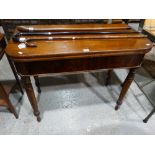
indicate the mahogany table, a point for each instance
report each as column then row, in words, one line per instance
column 90, row 52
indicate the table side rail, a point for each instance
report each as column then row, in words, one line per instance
column 78, row 64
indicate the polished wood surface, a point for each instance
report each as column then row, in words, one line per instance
column 87, row 53
column 73, row 49
column 73, row 27
column 152, row 32
column 76, row 48
column 149, row 24
column 149, row 28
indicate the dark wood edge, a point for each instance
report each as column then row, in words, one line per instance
column 77, row 72
column 77, row 55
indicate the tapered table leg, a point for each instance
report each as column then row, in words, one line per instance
column 147, row 118
column 125, row 87
column 37, row 83
column 31, row 96
column 108, row 77
column 15, row 74
column 6, row 98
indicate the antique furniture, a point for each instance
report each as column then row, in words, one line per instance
column 86, row 47
column 149, row 30
column 4, row 101
column 10, row 24
column 2, row 51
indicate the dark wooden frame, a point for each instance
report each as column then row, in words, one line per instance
column 5, row 101
column 152, row 38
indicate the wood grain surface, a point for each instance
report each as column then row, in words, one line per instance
column 60, row 49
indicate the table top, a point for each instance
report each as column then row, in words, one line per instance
column 131, row 43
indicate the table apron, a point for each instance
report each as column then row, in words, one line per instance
column 78, row 64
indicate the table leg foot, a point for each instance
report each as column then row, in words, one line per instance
column 117, row 106
column 145, row 120
column 12, row 110
column 37, row 114
column 125, row 87
column 38, row 119
column 16, row 115
column 31, row 96
column 148, row 117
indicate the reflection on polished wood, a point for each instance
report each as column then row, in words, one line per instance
column 61, row 56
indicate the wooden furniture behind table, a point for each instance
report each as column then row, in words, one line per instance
column 149, row 29
column 2, row 52
column 59, row 56
column 4, row 93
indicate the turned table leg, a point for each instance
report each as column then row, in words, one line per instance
column 108, row 77
column 31, row 96
column 147, row 118
column 125, row 87
column 37, row 83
